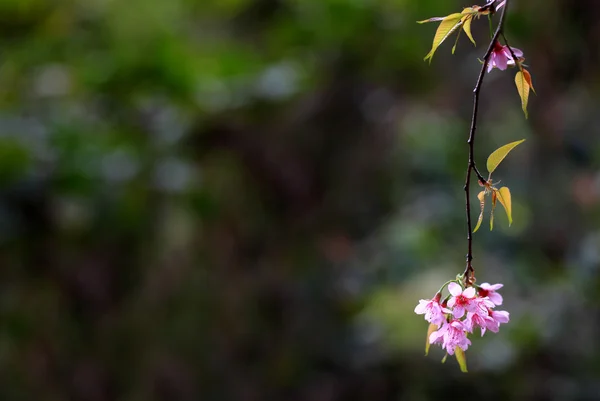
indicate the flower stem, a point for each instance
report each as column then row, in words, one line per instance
column 445, row 284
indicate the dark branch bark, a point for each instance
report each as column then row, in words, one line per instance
column 469, row 271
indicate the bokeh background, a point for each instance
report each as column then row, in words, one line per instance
column 245, row 199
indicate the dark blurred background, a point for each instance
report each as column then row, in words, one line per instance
column 245, row 200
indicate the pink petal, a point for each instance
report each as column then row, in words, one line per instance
column 499, row 6
column 500, row 61
column 421, row 308
column 458, row 312
column 517, row 52
column 488, row 302
column 501, row 316
column 454, row 289
column 451, row 302
column 457, row 325
column 469, row 292
column 436, row 335
column 495, row 298
column 491, row 63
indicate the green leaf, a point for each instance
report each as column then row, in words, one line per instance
column 504, row 198
column 447, row 26
column 461, row 358
column 523, row 89
column 499, row 154
column 431, row 329
column 467, row 26
column 444, row 358
column 481, row 197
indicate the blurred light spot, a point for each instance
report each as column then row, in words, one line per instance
column 214, row 96
column 173, row 175
column 53, row 80
column 169, row 126
column 278, row 82
column 72, row 213
column 118, row 166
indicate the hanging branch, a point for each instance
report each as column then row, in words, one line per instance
column 469, row 271
column 449, row 324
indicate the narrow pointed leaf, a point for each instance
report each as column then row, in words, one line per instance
column 461, row 358
column 492, row 213
column 505, row 201
column 432, row 19
column 468, row 10
column 467, row 27
column 456, row 42
column 447, row 26
column 523, row 89
column 499, row 154
column 481, row 197
column 444, row 358
column 432, row 327
column 527, row 76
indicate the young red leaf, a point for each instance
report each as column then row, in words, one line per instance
column 527, row 76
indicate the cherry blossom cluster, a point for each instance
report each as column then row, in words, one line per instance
column 461, row 312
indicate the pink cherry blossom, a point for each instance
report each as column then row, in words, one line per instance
column 433, row 311
column 501, row 57
column 488, row 290
column 497, row 317
column 473, row 319
column 461, row 300
column 481, row 306
column 451, row 335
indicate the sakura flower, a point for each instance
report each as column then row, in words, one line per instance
column 501, row 57
column 473, row 319
column 451, row 335
column 488, row 290
column 481, row 306
column 497, row 317
column 461, row 300
column 433, row 311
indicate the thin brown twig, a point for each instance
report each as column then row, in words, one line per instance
column 469, row 273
